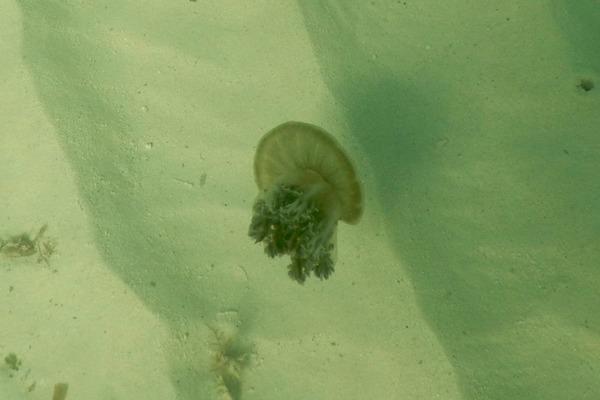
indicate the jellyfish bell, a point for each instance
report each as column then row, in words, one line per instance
column 297, row 153
column 307, row 183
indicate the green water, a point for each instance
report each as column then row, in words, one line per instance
column 475, row 128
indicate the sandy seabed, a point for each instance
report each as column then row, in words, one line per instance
column 128, row 130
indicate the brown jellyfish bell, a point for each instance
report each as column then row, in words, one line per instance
column 307, row 184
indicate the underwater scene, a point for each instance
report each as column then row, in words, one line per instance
column 302, row 200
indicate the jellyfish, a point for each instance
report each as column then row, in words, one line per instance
column 307, row 183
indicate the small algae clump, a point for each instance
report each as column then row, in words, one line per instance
column 12, row 361
column 24, row 246
column 229, row 357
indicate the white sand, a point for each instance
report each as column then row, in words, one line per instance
column 112, row 112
